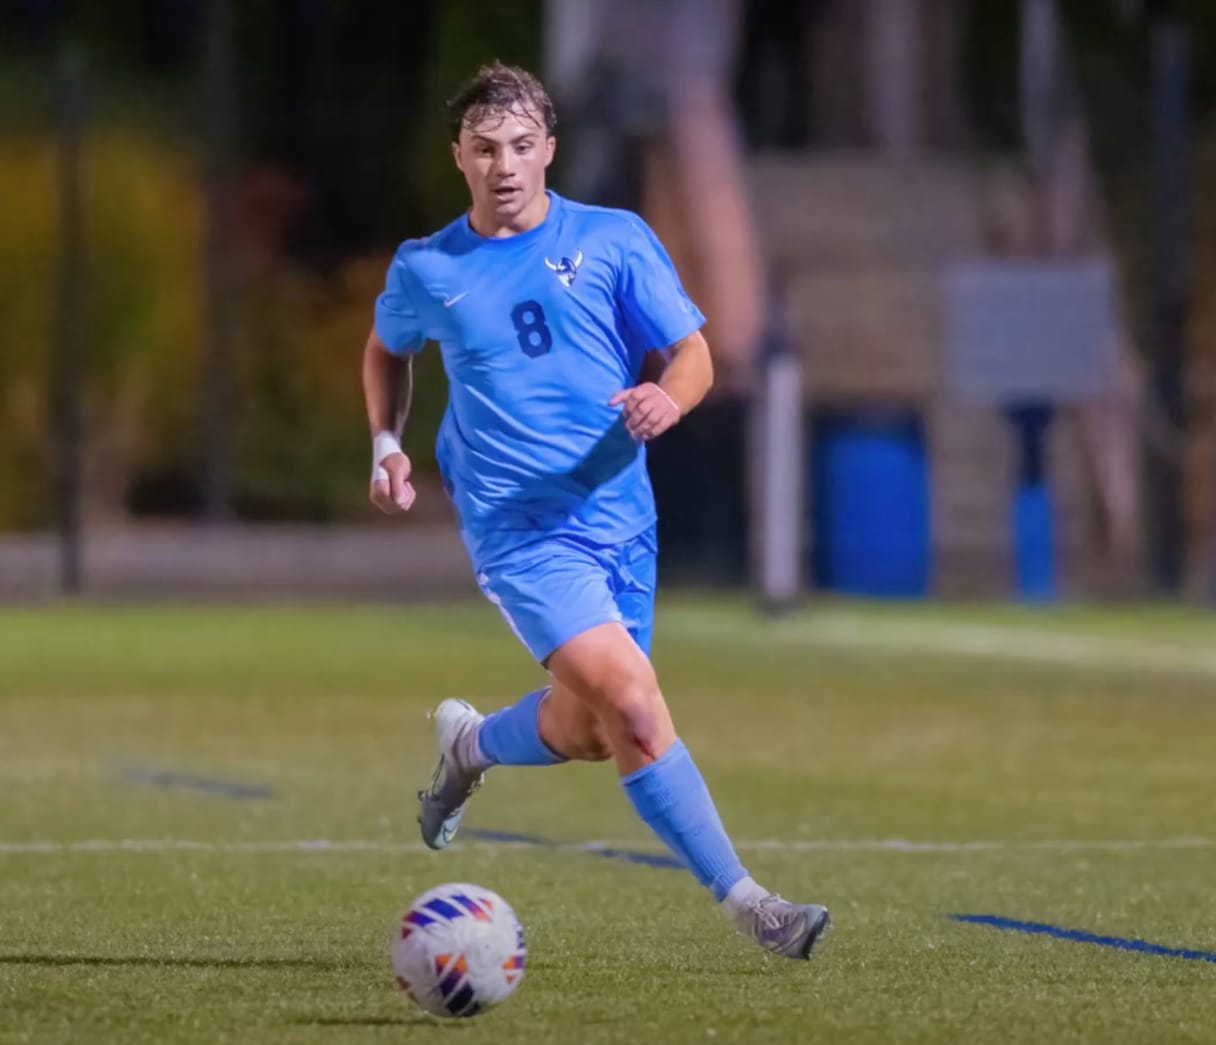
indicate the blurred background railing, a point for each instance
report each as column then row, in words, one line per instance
column 971, row 234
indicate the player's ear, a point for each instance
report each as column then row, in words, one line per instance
column 550, row 148
column 456, row 156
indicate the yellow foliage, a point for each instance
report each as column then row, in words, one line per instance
column 302, row 442
column 299, row 437
column 142, row 287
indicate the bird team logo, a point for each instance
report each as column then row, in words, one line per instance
column 566, row 270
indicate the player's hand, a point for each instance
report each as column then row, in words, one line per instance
column 647, row 409
column 391, row 489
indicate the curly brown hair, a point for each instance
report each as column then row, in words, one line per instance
column 498, row 89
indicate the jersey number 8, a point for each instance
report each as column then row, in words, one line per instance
column 535, row 338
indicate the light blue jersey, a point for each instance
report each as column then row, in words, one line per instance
column 538, row 331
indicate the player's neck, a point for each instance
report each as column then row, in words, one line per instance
column 492, row 227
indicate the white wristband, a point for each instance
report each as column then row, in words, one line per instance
column 670, row 400
column 384, row 445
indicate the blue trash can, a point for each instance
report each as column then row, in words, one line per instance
column 1033, row 511
column 870, row 504
column 1034, row 543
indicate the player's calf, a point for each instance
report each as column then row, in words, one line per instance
column 544, row 728
column 570, row 727
column 662, row 781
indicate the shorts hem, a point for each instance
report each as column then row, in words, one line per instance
column 574, row 631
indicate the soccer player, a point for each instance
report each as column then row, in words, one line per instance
column 546, row 311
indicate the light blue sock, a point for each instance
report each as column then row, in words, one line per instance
column 511, row 737
column 671, row 796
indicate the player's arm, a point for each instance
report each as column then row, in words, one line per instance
column 689, row 373
column 391, row 490
column 652, row 407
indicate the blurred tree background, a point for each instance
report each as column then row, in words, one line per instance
column 340, row 152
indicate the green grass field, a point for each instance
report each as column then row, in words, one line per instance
column 1056, row 767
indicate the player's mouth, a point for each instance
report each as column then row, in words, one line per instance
column 506, row 193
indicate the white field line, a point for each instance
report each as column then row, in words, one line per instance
column 1109, row 653
column 380, row 846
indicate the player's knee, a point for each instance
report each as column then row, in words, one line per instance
column 633, row 712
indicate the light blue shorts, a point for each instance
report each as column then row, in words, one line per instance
column 559, row 587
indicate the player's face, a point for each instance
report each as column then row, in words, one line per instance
column 503, row 159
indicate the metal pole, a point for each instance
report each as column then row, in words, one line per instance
column 1170, row 288
column 776, row 464
column 219, row 282
column 67, row 360
column 895, row 74
column 1046, row 107
column 569, row 44
column 1040, row 81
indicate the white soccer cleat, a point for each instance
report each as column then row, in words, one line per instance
column 441, row 806
column 788, row 929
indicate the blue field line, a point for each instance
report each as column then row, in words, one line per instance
column 629, row 856
column 189, row 782
column 1119, row 943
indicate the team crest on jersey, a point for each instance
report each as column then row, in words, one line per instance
column 566, row 270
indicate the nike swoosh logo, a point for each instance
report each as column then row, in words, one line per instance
column 449, row 302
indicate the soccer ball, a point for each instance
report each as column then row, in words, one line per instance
column 459, row 951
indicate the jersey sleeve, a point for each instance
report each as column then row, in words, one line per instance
column 651, row 295
column 397, row 322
